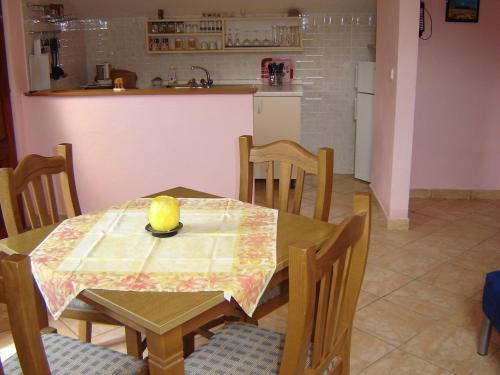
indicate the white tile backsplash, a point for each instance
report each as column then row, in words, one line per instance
column 333, row 43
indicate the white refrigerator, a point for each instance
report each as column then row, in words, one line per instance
column 363, row 116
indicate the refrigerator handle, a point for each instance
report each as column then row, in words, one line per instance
column 356, row 109
column 356, row 73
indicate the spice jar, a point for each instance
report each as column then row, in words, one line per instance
column 178, row 44
column 192, row 43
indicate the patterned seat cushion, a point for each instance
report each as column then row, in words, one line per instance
column 68, row 356
column 78, row 304
column 240, row 349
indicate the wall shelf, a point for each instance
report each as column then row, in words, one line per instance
column 159, row 35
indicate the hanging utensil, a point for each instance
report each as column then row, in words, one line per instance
column 58, row 68
column 54, row 72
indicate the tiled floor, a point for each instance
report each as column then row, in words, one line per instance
column 420, row 305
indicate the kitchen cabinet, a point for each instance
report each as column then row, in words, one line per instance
column 275, row 118
column 224, row 35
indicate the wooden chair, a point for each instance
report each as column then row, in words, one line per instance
column 324, row 291
column 32, row 181
column 288, row 154
column 49, row 352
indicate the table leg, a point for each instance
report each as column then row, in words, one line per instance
column 188, row 344
column 166, row 352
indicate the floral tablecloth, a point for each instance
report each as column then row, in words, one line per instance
column 225, row 245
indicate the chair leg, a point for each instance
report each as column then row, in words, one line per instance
column 84, row 331
column 133, row 340
column 484, row 340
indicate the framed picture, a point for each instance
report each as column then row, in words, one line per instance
column 462, row 10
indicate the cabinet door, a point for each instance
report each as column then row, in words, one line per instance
column 275, row 119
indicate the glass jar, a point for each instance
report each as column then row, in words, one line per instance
column 179, row 27
column 276, row 35
column 171, row 27
column 191, row 43
column 179, row 44
column 164, row 44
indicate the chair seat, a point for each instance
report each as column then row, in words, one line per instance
column 240, row 349
column 491, row 298
column 72, row 357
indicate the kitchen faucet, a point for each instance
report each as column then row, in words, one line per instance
column 205, row 83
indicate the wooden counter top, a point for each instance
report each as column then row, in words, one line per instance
column 217, row 90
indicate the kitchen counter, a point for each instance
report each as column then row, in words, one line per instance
column 128, row 145
column 218, row 90
column 285, row 90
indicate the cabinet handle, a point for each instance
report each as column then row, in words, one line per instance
column 259, row 106
column 356, row 109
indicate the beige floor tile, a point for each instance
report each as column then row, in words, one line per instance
column 401, row 363
column 491, row 366
column 365, row 299
column 396, row 237
column 277, row 321
column 7, row 347
column 390, row 322
column 455, row 278
column 99, row 329
column 492, row 243
column 64, row 327
column 454, row 241
column 433, row 250
column 428, row 300
column 448, row 346
column 365, row 350
column 380, row 249
column 434, row 210
column 472, row 317
column 480, row 258
column 411, row 263
column 110, row 338
column 380, row 281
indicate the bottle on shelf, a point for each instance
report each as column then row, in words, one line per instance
column 229, row 41
column 172, row 75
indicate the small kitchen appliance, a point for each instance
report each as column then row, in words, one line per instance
column 103, row 72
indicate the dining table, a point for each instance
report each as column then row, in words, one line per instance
column 168, row 319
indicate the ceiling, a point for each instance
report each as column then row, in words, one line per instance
column 147, row 8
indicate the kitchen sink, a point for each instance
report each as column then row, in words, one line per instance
column 186, row 87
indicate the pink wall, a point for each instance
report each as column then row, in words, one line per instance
column 397, row 48
column 130, row 146
column 457, row 121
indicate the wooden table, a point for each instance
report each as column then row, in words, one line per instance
column 166, row 318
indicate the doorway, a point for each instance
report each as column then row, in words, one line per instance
column 7, row 142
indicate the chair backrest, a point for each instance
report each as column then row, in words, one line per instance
column 288, row 154
column 324, row 290
column 27, row 312
column 32, row 181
